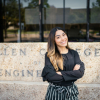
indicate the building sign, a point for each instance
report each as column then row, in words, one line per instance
column 25, row 61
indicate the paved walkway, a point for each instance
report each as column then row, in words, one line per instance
column 33, row 38
column 25, row 38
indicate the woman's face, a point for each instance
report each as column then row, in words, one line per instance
column 61, row 38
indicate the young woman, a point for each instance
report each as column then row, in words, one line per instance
column 62, row 67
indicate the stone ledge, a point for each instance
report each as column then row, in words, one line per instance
column 45, row 83
column 18, row 90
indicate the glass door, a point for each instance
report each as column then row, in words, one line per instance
column 10, row 20
column 30, row 20
column 53, row 15
column 94, row 30
column 75, row 19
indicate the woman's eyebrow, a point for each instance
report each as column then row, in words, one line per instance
column 57, row 35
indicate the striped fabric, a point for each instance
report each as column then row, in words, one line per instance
column 55, row 92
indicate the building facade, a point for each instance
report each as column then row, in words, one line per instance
column 32, row 20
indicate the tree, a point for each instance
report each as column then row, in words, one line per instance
column 11, row 10
column 35, row 3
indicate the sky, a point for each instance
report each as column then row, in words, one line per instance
column 73, row 4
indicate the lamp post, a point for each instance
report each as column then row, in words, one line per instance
column 88, row 13
column 19, row 31
column 41, row 20
column 1, row 23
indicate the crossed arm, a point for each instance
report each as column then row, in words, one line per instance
column 76, row 67
column 52, row 76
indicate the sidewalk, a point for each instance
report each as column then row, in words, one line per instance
column 25, row 38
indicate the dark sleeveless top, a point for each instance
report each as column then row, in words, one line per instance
column 68, row 74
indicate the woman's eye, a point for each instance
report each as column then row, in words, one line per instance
column 63, row 34
column 57, row 37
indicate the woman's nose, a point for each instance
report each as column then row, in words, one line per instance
column 62, row 38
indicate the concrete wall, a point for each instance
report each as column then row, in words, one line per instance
column 21, row 65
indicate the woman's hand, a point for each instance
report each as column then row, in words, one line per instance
column 59, row 73
column 76, row 67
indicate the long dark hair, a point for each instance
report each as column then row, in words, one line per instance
column 53, row 52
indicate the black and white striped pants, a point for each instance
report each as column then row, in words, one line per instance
column 55, row 92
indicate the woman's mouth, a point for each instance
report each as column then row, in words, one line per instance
column 63, row 42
